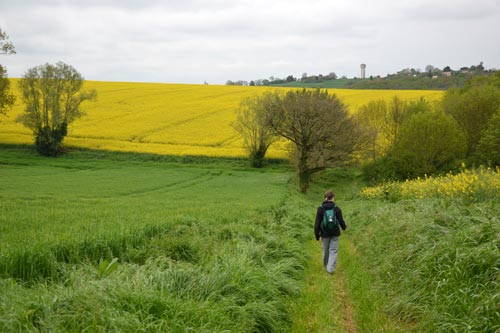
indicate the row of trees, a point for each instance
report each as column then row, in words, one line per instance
column 431, row 78
column 277, row 81
column 431, row 71
column 318, row 78
column 262, row 82
column 418, row 138
column 393, row 140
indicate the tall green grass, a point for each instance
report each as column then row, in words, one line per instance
column 147, row 246
column 237, row 277
column 438, row 261
column 72, row 209
column 416, row 265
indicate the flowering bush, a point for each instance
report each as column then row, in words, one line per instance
column 477, row 184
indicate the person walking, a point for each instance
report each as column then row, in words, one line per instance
column 329, row 220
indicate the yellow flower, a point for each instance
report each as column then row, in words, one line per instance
column 172, row 119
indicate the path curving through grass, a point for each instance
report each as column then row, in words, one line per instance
column 345, row 302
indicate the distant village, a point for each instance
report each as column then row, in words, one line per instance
column 429, row 72
column 435, row 72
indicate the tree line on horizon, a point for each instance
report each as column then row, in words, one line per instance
column 432, row 78
column 393, row 140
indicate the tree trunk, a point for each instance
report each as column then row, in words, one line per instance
column 304, row 174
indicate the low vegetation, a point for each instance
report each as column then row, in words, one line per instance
column 179, row 247
column 434, row 250
column 176, row 247
column 471, row 185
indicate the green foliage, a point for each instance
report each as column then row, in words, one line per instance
column 336, row 83
column 251, row 124
column 161, row 251
column 408, row 139
column 48, row 141
column 437, row 261
column 379, row 170
column 472, row 107
column 322, row 132
column 106, row 267
column 396, row 116
column 429, row 142
column 7, row 100
column 52, row 97
column 488, row 150
column 6, row 47
column 381, row 124
column 371, row 118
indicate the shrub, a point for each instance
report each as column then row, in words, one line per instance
column 429, row 142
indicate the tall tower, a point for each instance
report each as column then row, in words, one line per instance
column 363, row 66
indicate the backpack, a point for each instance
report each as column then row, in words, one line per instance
column 330, row 222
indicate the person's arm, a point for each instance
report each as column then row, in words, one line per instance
column 317, row 224
column 338, row 213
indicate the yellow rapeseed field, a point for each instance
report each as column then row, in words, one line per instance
column 172, row 119
column 477, row 183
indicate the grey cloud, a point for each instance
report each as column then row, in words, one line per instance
column 216, row 40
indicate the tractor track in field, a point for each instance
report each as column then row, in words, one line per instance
column 171, row 186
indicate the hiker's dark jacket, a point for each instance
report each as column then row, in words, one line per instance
column 319, row 219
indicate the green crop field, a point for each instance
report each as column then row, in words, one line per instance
column 128, row 243
column 50, row 199
column 125, row 242
column 122, row 242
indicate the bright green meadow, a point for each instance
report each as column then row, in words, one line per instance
column 125, row 243
column 122, row 242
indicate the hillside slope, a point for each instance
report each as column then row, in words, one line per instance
column 171, row 119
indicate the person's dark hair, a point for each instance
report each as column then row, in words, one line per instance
column 329, row 195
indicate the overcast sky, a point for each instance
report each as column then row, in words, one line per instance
column 192, row 41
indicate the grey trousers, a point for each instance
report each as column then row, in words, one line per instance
column 330, row 251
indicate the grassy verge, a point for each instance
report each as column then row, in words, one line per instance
column 436, row 260
column 236, row 277
column 424, row 264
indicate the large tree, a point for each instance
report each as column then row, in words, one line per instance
column 6, row 99
column 472, row 106
column 52, row 95
column 429, row 142
column 371, row 118
column 318, row 125
column 251, row 125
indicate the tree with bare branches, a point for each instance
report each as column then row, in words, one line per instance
column 322, row 132
column 251, row 124
column 6, row 98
